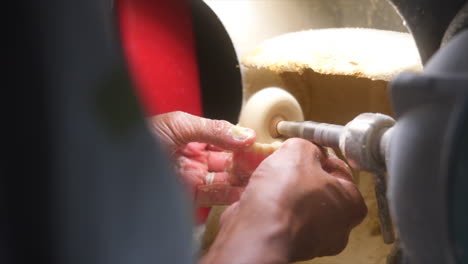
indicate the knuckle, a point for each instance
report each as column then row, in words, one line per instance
column 294, row 142
column 176, row 119
column 358, row 208
column 338, row 166
column 218, row 127
column 338, row 245
column 341, row 245
column 300, row 145
column 177, row 114
column 361, row 210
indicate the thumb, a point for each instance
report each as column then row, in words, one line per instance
column 178, row 128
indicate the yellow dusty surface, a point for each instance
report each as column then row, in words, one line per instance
column 369, row 53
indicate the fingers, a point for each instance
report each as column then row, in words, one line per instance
column 213, row 148
column 215, row 189
column 325, row 157
column 197, row 156
column 179, row 128
column 357, row 206
column 219, row 161
column 210, row 188
column 295, row 149
column 337, row 167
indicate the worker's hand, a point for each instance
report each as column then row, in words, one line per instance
column 300, row 203
column 198, row 147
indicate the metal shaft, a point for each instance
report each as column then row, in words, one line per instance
column 364, row 142
column 321, row 133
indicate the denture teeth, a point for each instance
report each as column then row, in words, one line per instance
column 245, row 162
column 265, row 148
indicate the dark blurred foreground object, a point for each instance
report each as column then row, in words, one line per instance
column 84, row 181
column 428, row 161
column 428, row 182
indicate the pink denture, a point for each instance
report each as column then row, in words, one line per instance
column 245, row 162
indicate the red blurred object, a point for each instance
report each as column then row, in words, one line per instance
column 159, row 45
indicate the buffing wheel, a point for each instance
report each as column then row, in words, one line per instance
column 265, row 109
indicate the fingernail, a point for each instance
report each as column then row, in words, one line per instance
column 241, row 133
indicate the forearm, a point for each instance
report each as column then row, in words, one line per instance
column 245, row 243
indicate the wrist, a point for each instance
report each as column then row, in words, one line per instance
column 251, row 239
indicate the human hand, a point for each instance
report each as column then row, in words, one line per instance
column 300, row 203
column 199, row 146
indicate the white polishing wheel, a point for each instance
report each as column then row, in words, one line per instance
column 265, row 109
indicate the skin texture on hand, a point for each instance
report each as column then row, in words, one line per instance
column 300, row 203
column 202, row 152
